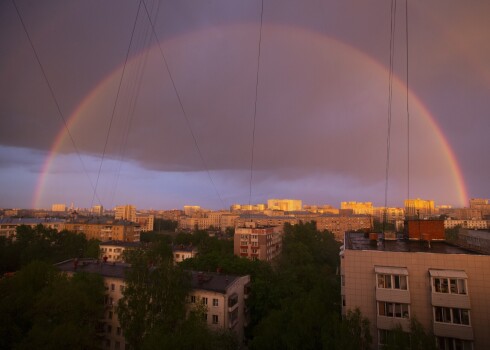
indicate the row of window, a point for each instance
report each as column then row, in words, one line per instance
column 450, row 285
column 440, row 285
column 214, row 320
column 452, row 315
column 204, row 300
column 441, row 314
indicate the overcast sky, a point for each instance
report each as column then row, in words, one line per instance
column 321, row 114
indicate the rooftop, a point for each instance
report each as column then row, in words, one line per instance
column 29, row 221
column 215, row 282
column 357, row 241
column 121, row 244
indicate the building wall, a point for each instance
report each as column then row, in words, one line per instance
column 126, row 212
column 338, row 225
column 426, row 229
column 257, row 243
column 359, row 289
column 285, row 204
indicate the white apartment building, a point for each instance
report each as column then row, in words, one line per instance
column 224, row 296
column 113, row 251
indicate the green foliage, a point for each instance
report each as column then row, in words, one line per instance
column 42, row 308
column 160, row 225
column 153, row 304
column 44, row 244
column 416, row 339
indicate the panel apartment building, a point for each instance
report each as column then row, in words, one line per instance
column 443, row 286
column 257, row 242
column 224, row 296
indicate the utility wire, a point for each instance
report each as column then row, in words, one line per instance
column 408, row 110
column 115, row 101
column 255, row 103
column 182, row 105
column 390, row 102
column 51, row 90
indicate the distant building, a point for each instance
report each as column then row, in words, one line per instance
column 98, row 210
column 58, row 207
column 247, row 207
column 421, row 208
column 364, row 208
column 257, row 242
column 190, row 210
column 223, row 295
column 112, row 251
column 8, row 226
column 339, row 224
column 183, row 252
column 442, row 286
column 125, row 212
column 390, row 213
column 285, row 204
column 146, row 221
column 105, row 229
column 469, row 224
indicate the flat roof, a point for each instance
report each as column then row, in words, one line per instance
column 357, row 241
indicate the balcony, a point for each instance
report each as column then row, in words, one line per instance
column 232, row 302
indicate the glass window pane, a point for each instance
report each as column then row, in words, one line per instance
column 403, row 282
column 381, row 281
column 465, row 317
column 387, row 281
column 453, row 286
column 461, row 286
column 382, row 310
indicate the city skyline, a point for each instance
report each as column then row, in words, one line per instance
column 321, row 109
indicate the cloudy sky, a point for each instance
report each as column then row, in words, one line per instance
column 321, row 113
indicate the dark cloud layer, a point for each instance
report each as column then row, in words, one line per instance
column 322, row 95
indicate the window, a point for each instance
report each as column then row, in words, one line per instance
column 396, row 310
column 118, row 330
column 110, row 315
column 215, row 302
column 204, row 301
column 193, row 298
column 444, row 343
column 109, row 328
column 452, row 315
column 449, row 285
column 392, row 281
column 215, row 319
column 244, row 250
column 113, row 287
column 205, row 316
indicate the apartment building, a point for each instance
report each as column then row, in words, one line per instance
column 339, row 224
column 113, row 251
column 224, row 296
column 285, row 204
column 106, row 230
column 8, row 226
column 145, row 221
column 257, row 242
column 364, row 208
column 469, row 224
column 125, row 212
column 443, row 286
column 182, row 252
column 422, row 208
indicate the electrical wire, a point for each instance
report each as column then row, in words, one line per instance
column 182, row 106
column 255, row 103
column 58, row 108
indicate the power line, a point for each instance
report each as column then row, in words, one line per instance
column 115, row 102
column 182, row 106
column 390, row 102
column 408, row 110
column 255, row 104
column 51, row 90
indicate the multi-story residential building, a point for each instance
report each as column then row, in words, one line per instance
column 106, row 230
column 8, row 226
column 470, row 224
column 421, row 208
column 146, row 221
column 285, row 204
column 266, row 220
column 113, row 251
column 182, row 252
column 98, row 210
column 321, row 209
column 364, row 208
column 223, row 295
column 125, row 212
column 476, row 240
column 228, row 221
column 442, row 286
column 257, row 242
column 247, row 207
column 391, row 214
column 190, row 210
column 58, row 207
column 339, row 224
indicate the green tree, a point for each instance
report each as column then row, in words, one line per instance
column 154, row 298
column 42, row 308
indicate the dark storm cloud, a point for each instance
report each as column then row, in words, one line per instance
column 321, row 108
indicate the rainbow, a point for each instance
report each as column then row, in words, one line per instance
column 98, row 90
